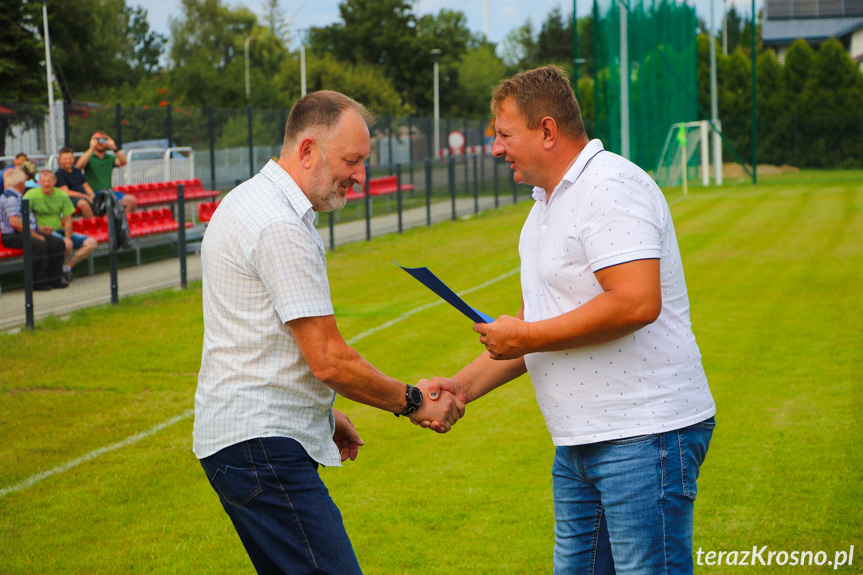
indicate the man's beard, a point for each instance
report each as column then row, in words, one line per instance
column 326, row 190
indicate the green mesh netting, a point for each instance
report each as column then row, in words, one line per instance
column 663, row 84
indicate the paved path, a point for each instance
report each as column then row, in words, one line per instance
column 88, row 291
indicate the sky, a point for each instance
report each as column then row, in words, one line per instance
column 504, row 15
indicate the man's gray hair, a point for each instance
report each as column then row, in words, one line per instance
column 321, row 109
column 14, row 177
column 42, row 173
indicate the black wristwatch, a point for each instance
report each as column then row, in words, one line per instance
column 414, row 398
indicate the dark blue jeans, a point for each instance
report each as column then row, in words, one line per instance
column 281, row 509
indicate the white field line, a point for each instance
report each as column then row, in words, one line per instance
column 33, row 479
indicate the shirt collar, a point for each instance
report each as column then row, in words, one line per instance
column 592, row 148
column 295, row 196
column 16, row 192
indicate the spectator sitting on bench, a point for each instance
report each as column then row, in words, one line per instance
column 71, row 180
column 47, row 250
column 16, row 163
column 53, row 209
column 98, row 166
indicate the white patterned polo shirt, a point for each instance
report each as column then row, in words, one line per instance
column 607, row 211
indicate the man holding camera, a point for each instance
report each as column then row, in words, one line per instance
column 98, row 165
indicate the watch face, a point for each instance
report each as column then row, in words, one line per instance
column 416, row 396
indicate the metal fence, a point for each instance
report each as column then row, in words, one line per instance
column 224, row 145
column 431, row 191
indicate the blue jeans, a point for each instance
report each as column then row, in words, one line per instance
column 625, row 507
column 281, row 509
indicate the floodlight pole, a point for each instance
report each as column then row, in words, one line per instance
column 436, row 54
column 624, row 81
column 248, row 78
column 303, row 64
column 50, row 73
column 754, row 102
column 714, row 106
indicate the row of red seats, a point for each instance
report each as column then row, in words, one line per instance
column 9, row 252
column 166, row 192
column 379, row 187
column 151, row 222
column 141, row 223
column 205, row 211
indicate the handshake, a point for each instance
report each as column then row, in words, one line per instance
column 443, row 404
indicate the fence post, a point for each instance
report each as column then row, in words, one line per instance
column 451, row 181
column 475, row 186
column 494, row 164
column 428, row 166
column 170, row 124
column 118, row 125
column 67, row 135
column 212, row 133
column 367, row 199
column 251, row 144
column 411, row 148
column 429, row 143
column 28, row 264
column 514, row 190
column 181, row 235
column 113, row 243
column 399, row 194
column 332, row 233
column 390, row 142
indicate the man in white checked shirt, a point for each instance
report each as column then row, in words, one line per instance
column 273, row 358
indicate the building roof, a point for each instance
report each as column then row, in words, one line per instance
column 811, row 30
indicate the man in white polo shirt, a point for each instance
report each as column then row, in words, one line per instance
column 273, row 358
column 605, row 334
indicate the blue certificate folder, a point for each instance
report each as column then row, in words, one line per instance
column 431, row 281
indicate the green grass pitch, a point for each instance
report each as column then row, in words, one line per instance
column 774, row 275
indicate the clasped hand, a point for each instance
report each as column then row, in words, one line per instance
column 442, row 406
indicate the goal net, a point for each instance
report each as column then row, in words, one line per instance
column 685, row 156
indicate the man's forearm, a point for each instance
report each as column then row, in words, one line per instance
column 84, row 159
column 121, row 159
column 485, row 374
column 342, row 368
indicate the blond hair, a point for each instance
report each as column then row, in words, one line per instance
column 543, row 92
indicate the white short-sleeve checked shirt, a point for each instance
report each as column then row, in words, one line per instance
column 264, row 264
column 607, row 211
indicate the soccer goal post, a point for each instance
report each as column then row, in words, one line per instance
column 686, row 155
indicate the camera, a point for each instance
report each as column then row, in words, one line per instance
column 102, row 140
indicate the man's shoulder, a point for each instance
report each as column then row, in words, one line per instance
column 33, row 193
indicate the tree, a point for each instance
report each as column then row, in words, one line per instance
column 833, row 101
column 772, row 109
column 275, row 19
column 208, row 56
column 798, row 63
column 519, row 48
column 100, row 45
column 554, row 41
column 733, row 28
column 387, row 34
column 22, row 53
column 365, row 83
column 480, row 70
